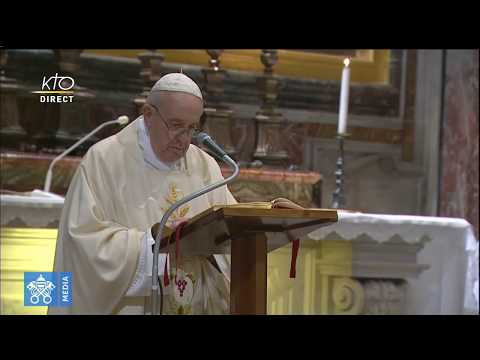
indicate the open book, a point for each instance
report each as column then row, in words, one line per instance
column 278, row 203
column 251, row 205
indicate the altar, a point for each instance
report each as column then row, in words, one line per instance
column 363, row 265
column 377, row 264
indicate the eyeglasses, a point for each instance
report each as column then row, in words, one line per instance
column 176, row 131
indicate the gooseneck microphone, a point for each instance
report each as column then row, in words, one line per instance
column 121, row 120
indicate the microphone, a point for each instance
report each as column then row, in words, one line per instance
column 121, row 120
column 205, row 139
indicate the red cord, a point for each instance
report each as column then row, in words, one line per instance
column 178, row 232
column 293, row 263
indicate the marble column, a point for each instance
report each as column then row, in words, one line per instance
column 459, row 153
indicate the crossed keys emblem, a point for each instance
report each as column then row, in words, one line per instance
column 40, row 287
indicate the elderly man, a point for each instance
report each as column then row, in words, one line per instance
column 118, row 195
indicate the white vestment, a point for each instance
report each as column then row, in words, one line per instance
column 113, row 200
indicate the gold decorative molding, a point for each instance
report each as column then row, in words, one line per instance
column 348, row 296
column 368, row 66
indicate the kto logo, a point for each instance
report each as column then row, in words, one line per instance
column 48, row 289
column 61, row 85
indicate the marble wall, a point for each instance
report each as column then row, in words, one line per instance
column 459, row 149
column 393, row 156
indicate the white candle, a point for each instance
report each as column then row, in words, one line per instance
column 342, row 117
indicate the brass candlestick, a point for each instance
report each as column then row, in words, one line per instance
column 10, row 128
column 338, row 198
column 152, row 70
column 218, row 116
column 75, row 117
column 269, row 147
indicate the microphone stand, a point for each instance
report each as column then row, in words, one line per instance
column 122, row 120
column 155, row 278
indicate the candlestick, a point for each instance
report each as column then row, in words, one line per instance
column 338, row 198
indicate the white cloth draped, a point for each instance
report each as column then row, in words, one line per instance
column 450, row 285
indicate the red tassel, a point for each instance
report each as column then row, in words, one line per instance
column 293, row 263
column 166, row 278
column 178, row 232
column 295, row 246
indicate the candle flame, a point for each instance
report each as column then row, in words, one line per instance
column 346, row 62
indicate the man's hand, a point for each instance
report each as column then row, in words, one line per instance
column 177, row 222
column 155, row 229
column 173, row 226
column 283, row 203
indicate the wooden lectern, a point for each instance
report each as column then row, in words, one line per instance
column 248, row 234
